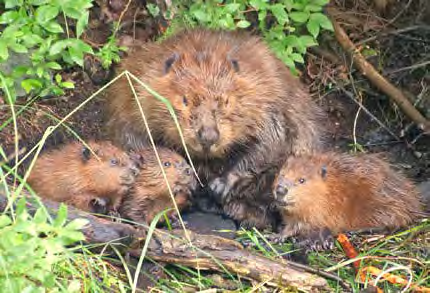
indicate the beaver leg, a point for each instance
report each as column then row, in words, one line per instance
column 316, row 240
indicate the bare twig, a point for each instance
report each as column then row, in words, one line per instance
column 377, row 79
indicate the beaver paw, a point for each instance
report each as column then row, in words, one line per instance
column 99, row 205
column 318, row 240
column 220, row 188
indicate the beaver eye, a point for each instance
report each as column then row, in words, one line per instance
column 188, row 171
column 302, row 180
column 184, row 100
column 113, row 162
column 167, row 164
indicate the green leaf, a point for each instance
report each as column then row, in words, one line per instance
column 12, row 3
column 307, row 41
column 4, row 54
column 53, row 27
column 243, row 24
column 313, row 7
column 201, row 15
column 29, row 84
column 297, row 58
column 82, row 23
column 73, row 12
column 46, row 13
column 37, row 2
column 5, row 221
column 30, row 40
column 232, row 7
column 322, row 20
column 59, row 46
column 9, row 17
column 153, row 9
column 68, row 85
column 313, row 27
column 40, row 71
column 300, row 17
column 53, row 65
column 40, row 216
column 18, row 48
column 320, row 2
column 58, row 78
column 259, row 4
column 291, row 41
column 77, row 224
column 280, row 13
column 62, row 210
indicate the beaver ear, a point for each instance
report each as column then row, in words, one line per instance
column 169, row 62
column 234, row 63
column 86, row 154
column 324, row 172
column 136, row 157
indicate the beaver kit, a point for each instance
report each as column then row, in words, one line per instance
column 150, row 194
column 342, row 192
column 240, row 109
column 93, row 179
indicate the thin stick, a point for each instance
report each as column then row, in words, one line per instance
column 376, row 78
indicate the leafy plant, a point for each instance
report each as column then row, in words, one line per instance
column 31, row 248
column 289, row 26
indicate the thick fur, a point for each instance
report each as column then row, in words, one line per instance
column 245, row 100
column 74, row 175
column 150, row 194
column 344, row 192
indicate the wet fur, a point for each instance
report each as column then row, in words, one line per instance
column 150, row 195
column 344, row 192
column 231, row 82
column 73, row 175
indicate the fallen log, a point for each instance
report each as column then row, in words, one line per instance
column 207, row 252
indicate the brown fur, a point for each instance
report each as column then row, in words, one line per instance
column 73, row 175
column 356, row 192
column 150, row 195
column 225, row 83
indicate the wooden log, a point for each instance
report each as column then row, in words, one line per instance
column 208, row 252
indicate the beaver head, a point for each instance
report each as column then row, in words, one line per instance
column 220, row 88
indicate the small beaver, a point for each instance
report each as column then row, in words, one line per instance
column 150, row 195
column 341, row 192
column 239, row 108
column 73, row 175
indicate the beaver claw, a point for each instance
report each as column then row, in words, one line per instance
column 319, row 240
column 220, row 188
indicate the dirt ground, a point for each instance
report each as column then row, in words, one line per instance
column 398, row 36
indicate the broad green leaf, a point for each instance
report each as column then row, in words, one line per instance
column 300, row 17
column 307, row 41
column 313, row 8
column 12, row 3
column 53, row 65
column 46, row 13
column 297, row 58
column 320, row 2
column 201, row 15
column 58, row 78
column 68, row 85
column 280, row 14
column 259, row 4
column 243, row 24
column 153, row 9
column 53, row 27
column 77, row 224
column 313, row 27
column 40, row 215
column 291, row 41
column 82, row 23
column 5, row 221
column 73, row 12
column 29, row 84
column 37, row 2
column 59, row 46
column 8, row 17
column 322, row 20
column 232, row 7
column 30, row 40
column 18, row 48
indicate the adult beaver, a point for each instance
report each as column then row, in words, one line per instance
column 238, row 106
column 340, row 192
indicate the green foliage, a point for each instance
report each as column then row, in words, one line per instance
column 289, row 27
column 32, row 249
column 38, row 35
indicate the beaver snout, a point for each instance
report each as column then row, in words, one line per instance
column 281, row 190
column 134, row 170
column 208, row 136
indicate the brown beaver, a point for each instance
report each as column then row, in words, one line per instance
column 150, row 195
column 340, row 192
column 238, row 106
column 73, row 175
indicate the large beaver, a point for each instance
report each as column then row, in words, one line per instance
column 150, row 195
column 73, row 175
column 341, row 192
column 238, row 105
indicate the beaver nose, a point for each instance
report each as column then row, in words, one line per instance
column 281, row 190
column 134, row 170
column 208, row 136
